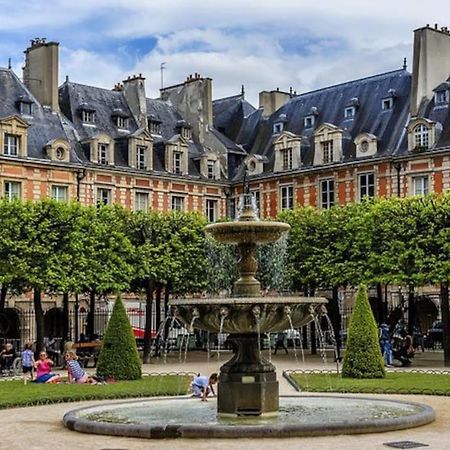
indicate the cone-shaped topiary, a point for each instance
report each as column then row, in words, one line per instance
column 363, row 355
column 119, row 357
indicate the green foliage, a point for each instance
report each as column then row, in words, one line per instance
column 363, row 355
column 119, row 357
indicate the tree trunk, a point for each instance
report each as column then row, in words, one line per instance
column 90, row 317
column 39, row 318
column 166, row 310
column 445, row 312
column 65, row 327
column 411, row 310
column 3, row 292
column 380, row 307
column 158, row 307
column 148, row 322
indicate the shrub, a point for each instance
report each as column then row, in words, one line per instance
column 119, row 357
column 363, row 355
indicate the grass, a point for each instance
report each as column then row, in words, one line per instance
column 15, row 393
column 395, row 383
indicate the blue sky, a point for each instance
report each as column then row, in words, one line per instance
column 261, row 44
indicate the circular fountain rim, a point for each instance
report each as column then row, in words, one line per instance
column 257, row 224
column 73, row 422
column 272, row 300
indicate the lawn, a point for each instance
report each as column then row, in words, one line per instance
column 15, row 393
column 395, row 382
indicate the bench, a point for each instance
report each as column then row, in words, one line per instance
column 87, row 352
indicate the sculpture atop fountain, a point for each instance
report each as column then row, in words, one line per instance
column 247, row 383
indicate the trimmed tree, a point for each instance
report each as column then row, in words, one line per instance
column 363, row 356
column 119, row 357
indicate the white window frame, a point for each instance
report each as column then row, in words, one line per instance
column 365, row 186
column 177, row 162
column 286, row 158
column 154, row 127
column 60, row 193
column 141, row 151
column 26, row 109
column 349, row 112
column 101, row 197
column 103, row 153
column 12, row 189
column 420, row 184
column 177, row 203
column 329, row 194
column 308, row 121
column 286, row 197
column 211, row 169
column 327, row 151
column 387, row 104
column 211, row 209
column 141, row 201
column 122, row 122
column 421, row 136
column 88, row 116
column 11, row 146
column 441, row 97
column 278, row 127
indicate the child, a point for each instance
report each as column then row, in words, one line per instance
column 75, row 372
column 202, row 386
column 27, row 363
column 43, row 370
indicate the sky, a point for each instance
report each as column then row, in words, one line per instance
column 261, row 44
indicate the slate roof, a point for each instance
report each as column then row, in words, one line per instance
column 329, row 104
column 44, row 125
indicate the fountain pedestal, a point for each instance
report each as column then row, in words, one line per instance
column 247, row 383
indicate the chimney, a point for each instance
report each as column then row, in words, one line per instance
column 133, row 89
column 193, row 99
column 271, row 101
column 431, row 63
column 40, row 72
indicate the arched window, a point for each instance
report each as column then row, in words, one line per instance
column 421, row 136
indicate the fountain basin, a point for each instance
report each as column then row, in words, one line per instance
column 298, row 416
column 247, row 232
column 238, row 315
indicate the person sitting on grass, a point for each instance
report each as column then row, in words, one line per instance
column 75, row 372
column 202, row 386
column 43, row 368
column 27, row 363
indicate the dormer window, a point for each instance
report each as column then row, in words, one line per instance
column 122, row 122
column 176, row 162
column 421, row 136
column 387, row 104
column 11, row 146
column 211, row 169
column 25, row 104
column 140, row 157
column 349, row 112
column 88, row 116
column 308, row 121
column 278, row 127
column 184, row 129
column 286, row 158
column 120, row 118
column 154, row 125
column 327, row 151
column 441, row 97
column 102, row 155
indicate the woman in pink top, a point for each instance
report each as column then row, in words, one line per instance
column 43, row 368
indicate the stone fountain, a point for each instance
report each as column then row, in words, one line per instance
column 247, row 383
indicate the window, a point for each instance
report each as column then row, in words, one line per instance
column 154, row 126
column 211, row 210
column 26, row 109
column 364, row 146
column 11, row 145
column 12, row 190
column 420, row 185
column 103, row 153
column 141, row 201
column 366, row 185
column 349, row 113
column 177, row 203
column 140, row 157
column 60, row 193
column 103, row 196
column 387, row 104
column 327, row 152
column 287, row 197
column 421, row 136
column 327, row 193
column 277, row 127
column 122, row 122
column 177, row 162
column 286, row 158
column 441, row 97
column 60, row 153
column 308, row 121
column 88, row 116
column 211, row 169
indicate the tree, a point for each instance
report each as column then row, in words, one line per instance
column 363, row 355
column 119, row 358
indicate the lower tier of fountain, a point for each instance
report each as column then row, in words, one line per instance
column 183, row 417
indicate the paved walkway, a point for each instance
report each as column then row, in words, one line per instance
column 41, row 427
